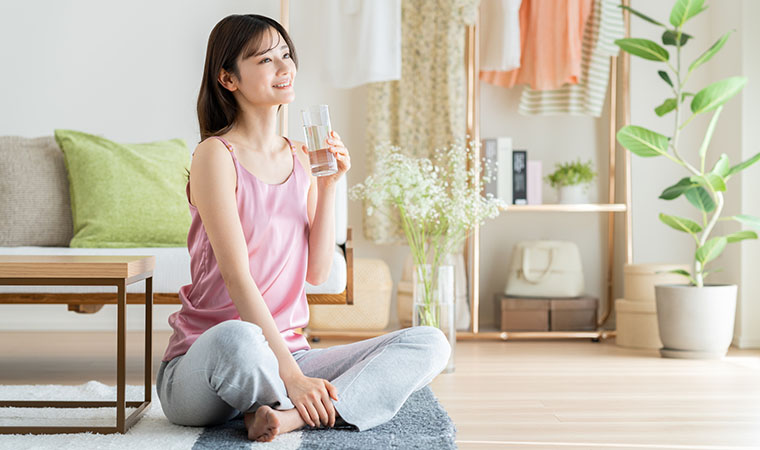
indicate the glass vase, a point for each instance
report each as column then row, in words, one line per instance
column 433, row 302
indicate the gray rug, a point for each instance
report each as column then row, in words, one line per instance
column 421, row 423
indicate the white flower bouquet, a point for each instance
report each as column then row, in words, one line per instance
column 438, row 202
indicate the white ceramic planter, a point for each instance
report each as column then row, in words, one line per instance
column 695, row 323
column 570, row 195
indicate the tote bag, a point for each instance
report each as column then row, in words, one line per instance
column 545, row 269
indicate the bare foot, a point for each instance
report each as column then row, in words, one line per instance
column 266, row 423
column 263, row 425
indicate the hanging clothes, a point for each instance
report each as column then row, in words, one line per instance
column 551, row 34
column 426, row 108
column 587, row 97
column 363, row 42
column 500, row 34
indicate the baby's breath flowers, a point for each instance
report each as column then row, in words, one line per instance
column 439, row 201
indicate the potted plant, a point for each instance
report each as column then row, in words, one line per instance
column 572, row 179
column 695, row 320
column 438, row 201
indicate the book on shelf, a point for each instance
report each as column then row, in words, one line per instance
column 519, row 177
column 498, row 158
column 534, row 182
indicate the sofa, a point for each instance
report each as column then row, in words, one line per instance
column 36, row 219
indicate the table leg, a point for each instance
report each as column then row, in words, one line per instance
column 121, row 357
column 148, row 338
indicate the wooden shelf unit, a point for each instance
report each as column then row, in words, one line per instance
column 604, row 207
column 611, row 207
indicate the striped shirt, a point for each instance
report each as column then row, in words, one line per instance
column 604, row 26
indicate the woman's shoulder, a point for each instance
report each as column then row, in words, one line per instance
column 212, row 142
column 212, row 157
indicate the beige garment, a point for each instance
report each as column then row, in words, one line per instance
column 426, row 108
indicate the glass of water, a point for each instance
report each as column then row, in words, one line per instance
column 316, row 127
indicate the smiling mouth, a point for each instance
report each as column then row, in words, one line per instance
column 283, row 86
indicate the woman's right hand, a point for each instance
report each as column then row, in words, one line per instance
column 311, row 397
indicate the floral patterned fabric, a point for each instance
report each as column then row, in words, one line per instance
column 426, row 109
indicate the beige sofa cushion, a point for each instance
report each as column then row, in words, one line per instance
column 34, row 193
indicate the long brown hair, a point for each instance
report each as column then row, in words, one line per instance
column 217, row 107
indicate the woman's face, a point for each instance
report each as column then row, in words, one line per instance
column 263, row 75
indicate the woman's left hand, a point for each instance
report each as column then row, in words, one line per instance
column 336, row 147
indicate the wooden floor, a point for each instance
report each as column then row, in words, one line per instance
column 503, row 395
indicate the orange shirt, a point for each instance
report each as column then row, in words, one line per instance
column 551, row 35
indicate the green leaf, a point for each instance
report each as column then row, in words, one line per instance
column 664, row 75
column 710, row 52
column 675, row 191
column 684, row 10
column 748, row 220
column 680, row 223
column 710, row 179
column 741, row 166
column 721, row 167
column 741, row 235
column 699, row 197
column 642, row 142
column 709, row 133
column 667, row 106
column 669, row 38
column 682, row 272
column 712, row 248
column 643, row 48
column 642, row 16
column 716, row 94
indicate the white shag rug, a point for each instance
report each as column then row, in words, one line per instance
column 152, row 431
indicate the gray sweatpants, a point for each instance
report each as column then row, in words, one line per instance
column 230, row 370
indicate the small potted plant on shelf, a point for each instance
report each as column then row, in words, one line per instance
column 695, row 320
column 572, row 179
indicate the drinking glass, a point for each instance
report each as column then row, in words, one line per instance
column 316, row 127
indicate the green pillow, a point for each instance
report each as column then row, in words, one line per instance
column 126, row 195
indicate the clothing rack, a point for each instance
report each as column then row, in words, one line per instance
column 472, row 64
column 472, row 245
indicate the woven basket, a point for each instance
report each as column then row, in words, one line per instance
column 372, row 301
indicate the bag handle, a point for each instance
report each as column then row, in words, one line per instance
column 526, row 264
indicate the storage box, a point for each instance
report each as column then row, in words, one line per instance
column 524, row 314
column 639, row 280
column 372, row 301
column 573, row 314
column 637, row 324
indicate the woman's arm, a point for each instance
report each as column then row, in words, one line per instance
column 212, row 183
column 321, row 211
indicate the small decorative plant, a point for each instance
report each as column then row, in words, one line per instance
column 703, row 189
column 571, row 174
column 439, row 201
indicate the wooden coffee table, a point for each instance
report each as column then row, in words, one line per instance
column 81, row 270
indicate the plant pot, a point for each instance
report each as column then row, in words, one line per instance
column 570, row 195
column 433, row 303
column 695, row 323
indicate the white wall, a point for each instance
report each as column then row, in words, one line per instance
column 131, row 72
column 748, row 320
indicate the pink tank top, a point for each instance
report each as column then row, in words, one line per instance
column 276, row 228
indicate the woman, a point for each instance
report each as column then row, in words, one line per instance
column 262, row 226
